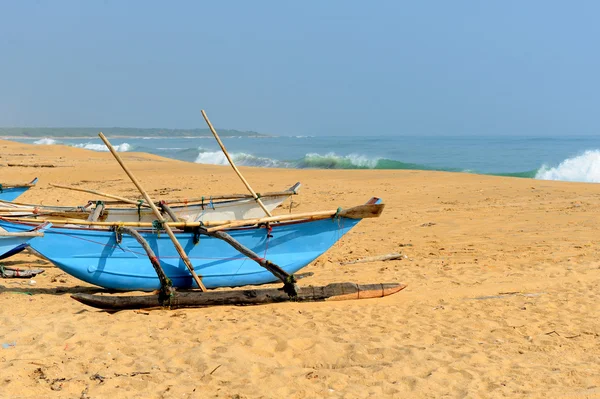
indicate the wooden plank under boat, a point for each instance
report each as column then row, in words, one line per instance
column 192, row 299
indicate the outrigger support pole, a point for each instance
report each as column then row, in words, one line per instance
column 167, row 209
column 289, row 281
column 166, row 286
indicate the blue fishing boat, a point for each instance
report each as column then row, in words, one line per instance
column 12, row 192
column 114, row 261
column 12, row 243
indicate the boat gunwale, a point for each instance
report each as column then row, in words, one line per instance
column 108, row 229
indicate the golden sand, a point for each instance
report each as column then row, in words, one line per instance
column 502, row 297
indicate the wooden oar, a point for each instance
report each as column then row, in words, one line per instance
column 356, row 212
column 115, row 197
column 214, row 132
column 157, row 213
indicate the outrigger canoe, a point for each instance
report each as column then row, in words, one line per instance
column 238, row 207
column 10, row 192
column 108, row 259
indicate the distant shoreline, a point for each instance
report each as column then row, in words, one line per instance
column 126, row 137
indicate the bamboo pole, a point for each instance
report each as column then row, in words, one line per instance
column 214, row 132
column 22, row 234
column 15, row 209
column 157, row 213
column 175, row 200
column 115, row 197
column 357, row 212
column 96, row 213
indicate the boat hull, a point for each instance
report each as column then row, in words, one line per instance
column 12, row 193
column 96, row 257
column 10, row 246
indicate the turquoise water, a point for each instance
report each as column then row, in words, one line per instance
column 553, row 158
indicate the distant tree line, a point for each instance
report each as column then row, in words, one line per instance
column 117, row 131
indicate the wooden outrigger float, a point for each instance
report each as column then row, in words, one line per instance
column 330, row 292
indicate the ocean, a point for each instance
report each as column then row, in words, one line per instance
column 549, row 158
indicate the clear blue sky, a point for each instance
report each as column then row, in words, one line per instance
column 310, row 67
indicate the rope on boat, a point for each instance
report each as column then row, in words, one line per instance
column 337, row 212
column 196, row 232
column 139, row 209
column 157, row 225
column 118, row 233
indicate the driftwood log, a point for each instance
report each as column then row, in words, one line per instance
column 193, row 299
column 35, row 165
column 379, row 258
column 14, row 272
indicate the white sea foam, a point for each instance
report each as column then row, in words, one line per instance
column 45, row 141
column 582, row 168
column 334, row 161
column 218, row 158
column 211, row 158
column 101, row 147
column 311, row 160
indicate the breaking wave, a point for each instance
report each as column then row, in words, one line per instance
column 582, row 168
column 46, row 141
column 101, row 147
column 218, row 158
column 309, row 161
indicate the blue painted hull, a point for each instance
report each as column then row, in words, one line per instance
column 95, row 256
column 8, row 250
column 11, row 194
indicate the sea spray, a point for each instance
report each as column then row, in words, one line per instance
column 582, row 168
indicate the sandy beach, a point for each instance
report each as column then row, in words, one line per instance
column 502, row 297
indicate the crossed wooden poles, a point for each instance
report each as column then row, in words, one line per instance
column 290, row 286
